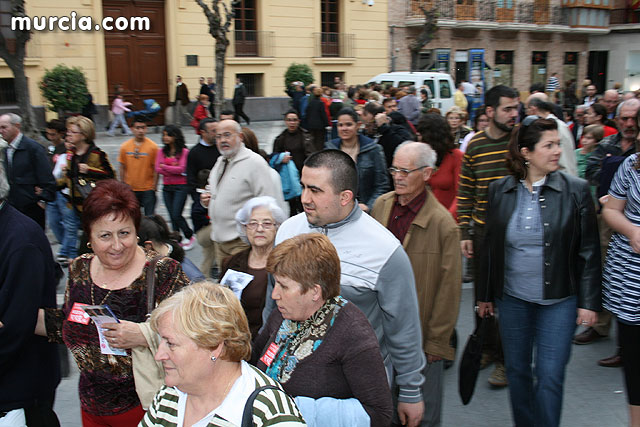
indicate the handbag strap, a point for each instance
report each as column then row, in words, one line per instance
column 247, row 413
column 151, row 284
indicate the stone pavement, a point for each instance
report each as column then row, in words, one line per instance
column 594, row 396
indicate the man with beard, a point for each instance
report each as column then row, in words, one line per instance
column 379, row 127
column 238, row 175
column 484, row 162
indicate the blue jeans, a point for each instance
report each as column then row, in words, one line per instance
column 55, row 216
column 69, row 247
column 118, row 119
column 550, row 329
column 175, row 196
column 147, row 200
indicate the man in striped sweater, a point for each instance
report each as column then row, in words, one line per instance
column 484, row 162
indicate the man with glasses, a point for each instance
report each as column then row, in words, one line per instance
column 238, row 175
column 137, row 166
column 430, row 237
column 484, row 162
column 298, row 143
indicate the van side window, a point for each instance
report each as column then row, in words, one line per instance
column 406, row 83
column 429, row 84
column 386, row 84
column 445, row 89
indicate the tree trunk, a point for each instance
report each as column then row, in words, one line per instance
column 24, row 101
column 220, row 53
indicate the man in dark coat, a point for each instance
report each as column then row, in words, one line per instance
column 29, row 364
column 239, row 95
column 180, row 105
column 380, row 128
column 205, row 89
column 28, row 170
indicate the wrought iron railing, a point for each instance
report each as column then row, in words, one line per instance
column 253, row 43
column 338, row 45
column 539, row 12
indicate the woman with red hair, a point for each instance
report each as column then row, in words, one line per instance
column 114, row 275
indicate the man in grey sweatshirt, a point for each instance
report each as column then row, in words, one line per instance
column 376, row 273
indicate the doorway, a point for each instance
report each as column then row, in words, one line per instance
column 137, row 60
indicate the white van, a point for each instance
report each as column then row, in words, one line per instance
column 440, row 84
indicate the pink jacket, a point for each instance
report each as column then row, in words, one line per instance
column 173, row 169
column 119, row 106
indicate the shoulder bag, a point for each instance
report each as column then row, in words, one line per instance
column 148, row 374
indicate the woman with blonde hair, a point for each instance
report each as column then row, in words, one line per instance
column 204, row 341
column 456, row 117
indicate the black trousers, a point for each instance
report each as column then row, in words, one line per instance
column 41, row 414
column 239, row 113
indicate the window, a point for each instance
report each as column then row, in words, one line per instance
column 328, row 78
column 386, row 84
column 246, row 26
column 7, row 92
column 252, row 82
column 429, row 84
column 503, row 68
column 192, row 60
column 445, row 88
column 329, row 41
column 5, row 25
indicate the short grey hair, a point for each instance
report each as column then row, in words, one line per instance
column 4, row 181
column 632, row 103
column 582, row 107
column 244, row 213
column 424, row 155
column 14, row 119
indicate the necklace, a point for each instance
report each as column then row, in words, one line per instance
column 103, row 299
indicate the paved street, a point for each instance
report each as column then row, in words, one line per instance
column 594, row 396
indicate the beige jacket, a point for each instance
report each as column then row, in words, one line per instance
column 433, row 246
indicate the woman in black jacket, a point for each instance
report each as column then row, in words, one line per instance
column 317, row 120
column 540, row 264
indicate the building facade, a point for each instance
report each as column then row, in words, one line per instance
column 345, row 38
column 510, row 42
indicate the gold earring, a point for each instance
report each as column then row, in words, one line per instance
column 89, row 245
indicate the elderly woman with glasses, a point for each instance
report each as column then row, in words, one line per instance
column 257, row 223
column 318, row 345
column 540, row 264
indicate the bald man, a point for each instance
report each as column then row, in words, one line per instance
column 610, row 100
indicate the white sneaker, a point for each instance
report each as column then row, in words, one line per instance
column 187, row 244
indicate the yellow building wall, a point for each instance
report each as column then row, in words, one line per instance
column 292, row 23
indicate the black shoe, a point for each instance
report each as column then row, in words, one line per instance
column 587, row 336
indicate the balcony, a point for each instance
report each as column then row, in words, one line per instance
column 252, row 44
column 536, row 12
column 334, row 45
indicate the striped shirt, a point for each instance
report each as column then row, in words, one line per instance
column 621, row 275
column 271, row 407
column 483, row 162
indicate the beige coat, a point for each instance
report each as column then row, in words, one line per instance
column 433, row 246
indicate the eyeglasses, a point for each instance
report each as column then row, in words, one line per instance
column 403, row 172
column 267, row 225
column 226, row 135
column 73, row 132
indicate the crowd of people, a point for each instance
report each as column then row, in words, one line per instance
column 332, row 267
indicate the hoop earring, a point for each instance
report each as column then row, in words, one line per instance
column 89, row 245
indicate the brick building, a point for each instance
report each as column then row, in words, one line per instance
column 521, row 42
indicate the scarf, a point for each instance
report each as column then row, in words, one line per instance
column 298, row 340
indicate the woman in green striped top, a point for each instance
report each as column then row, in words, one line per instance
column 204, row 340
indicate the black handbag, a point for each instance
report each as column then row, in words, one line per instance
column 83, row 186
column 247, row 413
column 470, row 363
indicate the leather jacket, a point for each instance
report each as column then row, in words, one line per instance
column 572, row 264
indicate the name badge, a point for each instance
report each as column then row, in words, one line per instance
column 270, row 354
column 78, row 315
